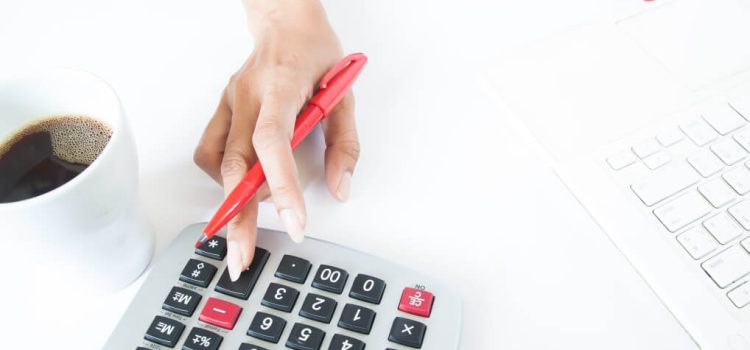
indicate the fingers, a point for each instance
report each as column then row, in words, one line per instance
column 238, row 157
column 271, row 139
column 342, row 148
column 210, row 150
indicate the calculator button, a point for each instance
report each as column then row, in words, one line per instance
column 220, row 313
column 293, row 269
column 246, row 346
column 416, row 302
column 214, row 248
column 357, row 318
column 304, row 337
column 244, row 285
column 330, row 279
column 201, row 339
column 198, row 273
column 181, row 301
column 280, row 297
column 266, row 327
column 164, row 331
column 317, row 307
column 407, row 332
column 342, row 342
column 367, row 288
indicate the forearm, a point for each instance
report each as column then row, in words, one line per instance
column 288, row 15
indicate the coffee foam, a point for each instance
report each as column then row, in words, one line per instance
column 75, row 138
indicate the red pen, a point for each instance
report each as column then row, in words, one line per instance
column 333, row 86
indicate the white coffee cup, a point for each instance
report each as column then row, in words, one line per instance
column 88, row 233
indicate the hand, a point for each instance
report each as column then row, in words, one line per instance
column 294, row 47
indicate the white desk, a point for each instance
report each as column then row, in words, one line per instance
column 443, row 184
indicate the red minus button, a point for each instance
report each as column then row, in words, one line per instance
column 416, row 302
column 220, row 313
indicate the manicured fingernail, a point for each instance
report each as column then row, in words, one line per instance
column 293, row 225
column 345, row 184
column 234, row 260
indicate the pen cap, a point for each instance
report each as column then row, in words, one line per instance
column 334, row 85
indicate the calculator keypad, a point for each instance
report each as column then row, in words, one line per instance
column 304, row 337
column 201, row 339
column 280, row 297
column 220, row 313
column 293, row 269
column 246, row 346
column 164, row 331
column 181, row 301
column 317, row 307
column 198, row 273
column 342, row 342
column 266, row 327
column 407, row 332
column 367, row 288
column 330, row 279
column 215, row 248
column 357, row 319
column 244, row 285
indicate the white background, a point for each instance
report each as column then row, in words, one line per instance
column 444, row 185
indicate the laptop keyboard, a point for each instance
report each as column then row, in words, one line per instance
column 695, row 179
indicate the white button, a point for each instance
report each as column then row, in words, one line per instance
column 670, row 137
column 741, row 213
column 743, row 138
column 622, row 159
column 664, row 182
column 706, row 162
column 746, row 244
column 722, row 228
column 697, row 242
column 728, row 151
column 717, row 192
column 740, row 296
column 682, row 211
column 727, row 266
column 723, row 118
column 739, row 179
column 742, row 106
column 646, row 148
column 656, row 160
column 699, row 132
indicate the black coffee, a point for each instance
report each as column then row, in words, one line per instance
column 47, row 154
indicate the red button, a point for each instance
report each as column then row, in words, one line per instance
column 416, row 302
column 220, row 313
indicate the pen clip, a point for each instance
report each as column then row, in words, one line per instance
column 339, row 67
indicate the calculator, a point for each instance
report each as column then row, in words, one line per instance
column 308, row 296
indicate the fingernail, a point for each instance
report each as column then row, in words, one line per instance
column 293, row 225
column 345, row 184
column 234, row 260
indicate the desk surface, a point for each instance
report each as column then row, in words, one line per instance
column 534, row 270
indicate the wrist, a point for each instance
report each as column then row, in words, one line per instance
column 266, row 15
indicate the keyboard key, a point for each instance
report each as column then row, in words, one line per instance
column 280, row 297
column 266, row 327
column 407, row 332
column 198, row 273
column 367, row 288
column 304, row 337
column 742, row 137
column 728, row 151
column 293, row 269
column 620, row 160
column 416, row 302
column 665, row 182
column 330, row 279
column 357, row 319
column 164, row 331
column 739, row 179
column 244, row 285
column 723, row 118
column 746, row 244
column 646, row 148
column 740, row 296
column 342, row 342
column 699, row 132
column 181, row 301
column 705, row 162
column 728, row 266
column 717, row 192
column 317, row 307
column 201, row 339
column 656, row 160
column 741, row 213
column 697, row 242
column 246, row 346
column 669, row 137
column 214, row 248
column 220, row 313
column 682, row 211
column 742, row 106
column 722, row 228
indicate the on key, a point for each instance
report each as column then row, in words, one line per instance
column 244, row 285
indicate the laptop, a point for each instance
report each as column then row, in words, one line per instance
column 645, row 115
